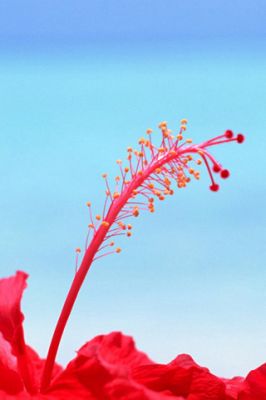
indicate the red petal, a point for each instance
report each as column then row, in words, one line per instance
column 182, row 377
column 11, row 317
column 122, row 389
column 114, row 349
column 233, row 387
column 7, row 359
column 99, row 362
column 10, row 381
column 255, row 385
column 26, row 363
column 205, row 386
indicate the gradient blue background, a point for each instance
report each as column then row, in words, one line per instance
column 79, row 82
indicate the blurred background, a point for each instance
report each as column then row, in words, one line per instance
column 79, row 82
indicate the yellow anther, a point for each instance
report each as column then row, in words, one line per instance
column 183, row 121
column 129, row 226
column 135, row 212
column 158, row 170
column 119, row 162
column 105, row 224
column 129, row 149
column 183, row 127
column 111, row 243
column 161, row 197
column 129, row 234
column 197, row 175
column 191, row 170
column 78, row 250
column 116, row 195
column 126, row 169
column 88, row 204
column 107, row 192
column 199, row 161
column 152, row 210
column 149, row 131
column 161, row 149
column 163, row 124
column 98, row 217
column 151, row 185
column 140, row 172
column 148, row 144
column 179, row 137
column 121, row 225
column 117, row 178
column 118, row 250
column 142, row 141
column 172, row 152
column 104, row 176
column 134, row 191
column 189, row 141
column 189, row 157
column 200, row 152
column 141, row 154
column 91, row 226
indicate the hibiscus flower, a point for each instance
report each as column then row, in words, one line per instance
column 110, row 366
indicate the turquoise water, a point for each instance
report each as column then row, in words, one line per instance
column 192, row 277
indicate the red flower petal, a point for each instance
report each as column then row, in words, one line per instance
column 125, row 389
column 17, row 361
column 114, row 349
column 255, row 385
column 11, row 317
column 99, row 362
column 233, row 387
column 10, row 381
column 182, row 377
column 110, row 367
column 7, row 359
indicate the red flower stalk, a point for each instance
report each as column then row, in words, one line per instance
column 149, row 175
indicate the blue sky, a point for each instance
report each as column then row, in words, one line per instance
column 137, row 19
column 79, row 83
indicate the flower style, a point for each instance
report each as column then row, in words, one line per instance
column 110, row 366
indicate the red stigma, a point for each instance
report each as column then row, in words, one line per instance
column 214, row 187
column 216, row 168
column 225, row 173
column 240, row 138
column 229, row 134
